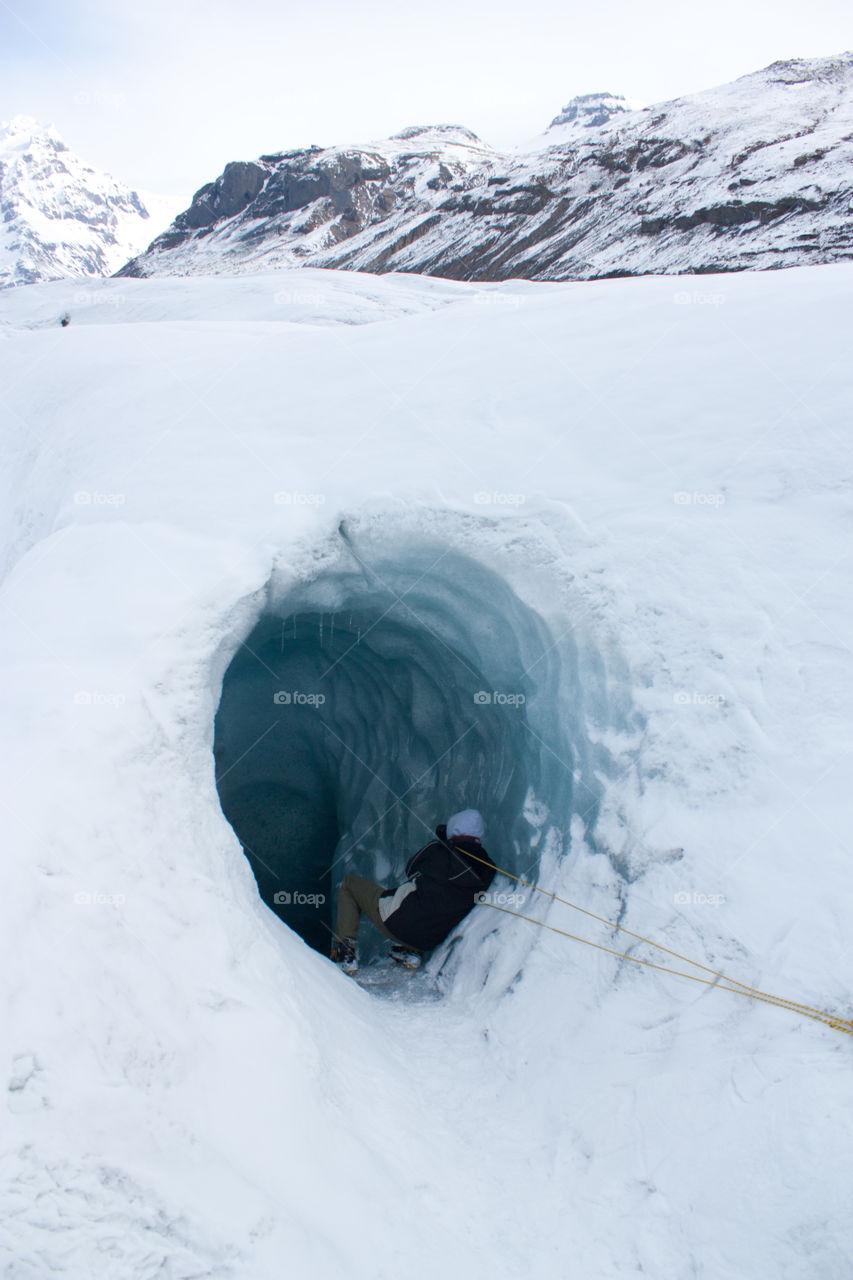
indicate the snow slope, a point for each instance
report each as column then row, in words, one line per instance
column 655, row 479
column 62, row 218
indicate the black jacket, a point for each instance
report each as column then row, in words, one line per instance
column 446, row 884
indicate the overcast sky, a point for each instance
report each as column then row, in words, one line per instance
column 163, row 93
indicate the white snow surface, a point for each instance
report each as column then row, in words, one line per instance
column 62, row 218
column 660, row 471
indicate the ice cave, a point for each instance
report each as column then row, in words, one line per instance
column 367, row 704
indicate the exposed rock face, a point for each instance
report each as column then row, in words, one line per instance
column 589, row 110
column 317, row 199
column 228, row 195
column 758, row 173
column 58, row 217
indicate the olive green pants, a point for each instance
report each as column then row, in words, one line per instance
column 355, row 895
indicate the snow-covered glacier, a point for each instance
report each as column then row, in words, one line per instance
column 296, row 563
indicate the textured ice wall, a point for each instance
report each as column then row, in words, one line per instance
column 404, row 681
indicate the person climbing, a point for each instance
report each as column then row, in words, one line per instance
column 443, row 882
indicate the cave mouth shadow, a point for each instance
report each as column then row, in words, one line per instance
column 289, row 841
column 342, row 737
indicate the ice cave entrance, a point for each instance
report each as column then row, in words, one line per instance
column 366, row 706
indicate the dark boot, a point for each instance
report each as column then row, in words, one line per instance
column 409, row 957
column 345, row 954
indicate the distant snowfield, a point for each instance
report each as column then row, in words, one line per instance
column 659, row 472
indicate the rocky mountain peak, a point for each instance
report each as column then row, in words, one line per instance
column 446, row 132
column 590, row 110
column 22, row 130
column 60, row 217
column 803, row 70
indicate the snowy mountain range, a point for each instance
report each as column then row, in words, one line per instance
column 757, row 173
column 60, row 217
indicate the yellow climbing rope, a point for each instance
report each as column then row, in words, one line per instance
column 719, row 980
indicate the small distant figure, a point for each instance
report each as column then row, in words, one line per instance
column 443, row 882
